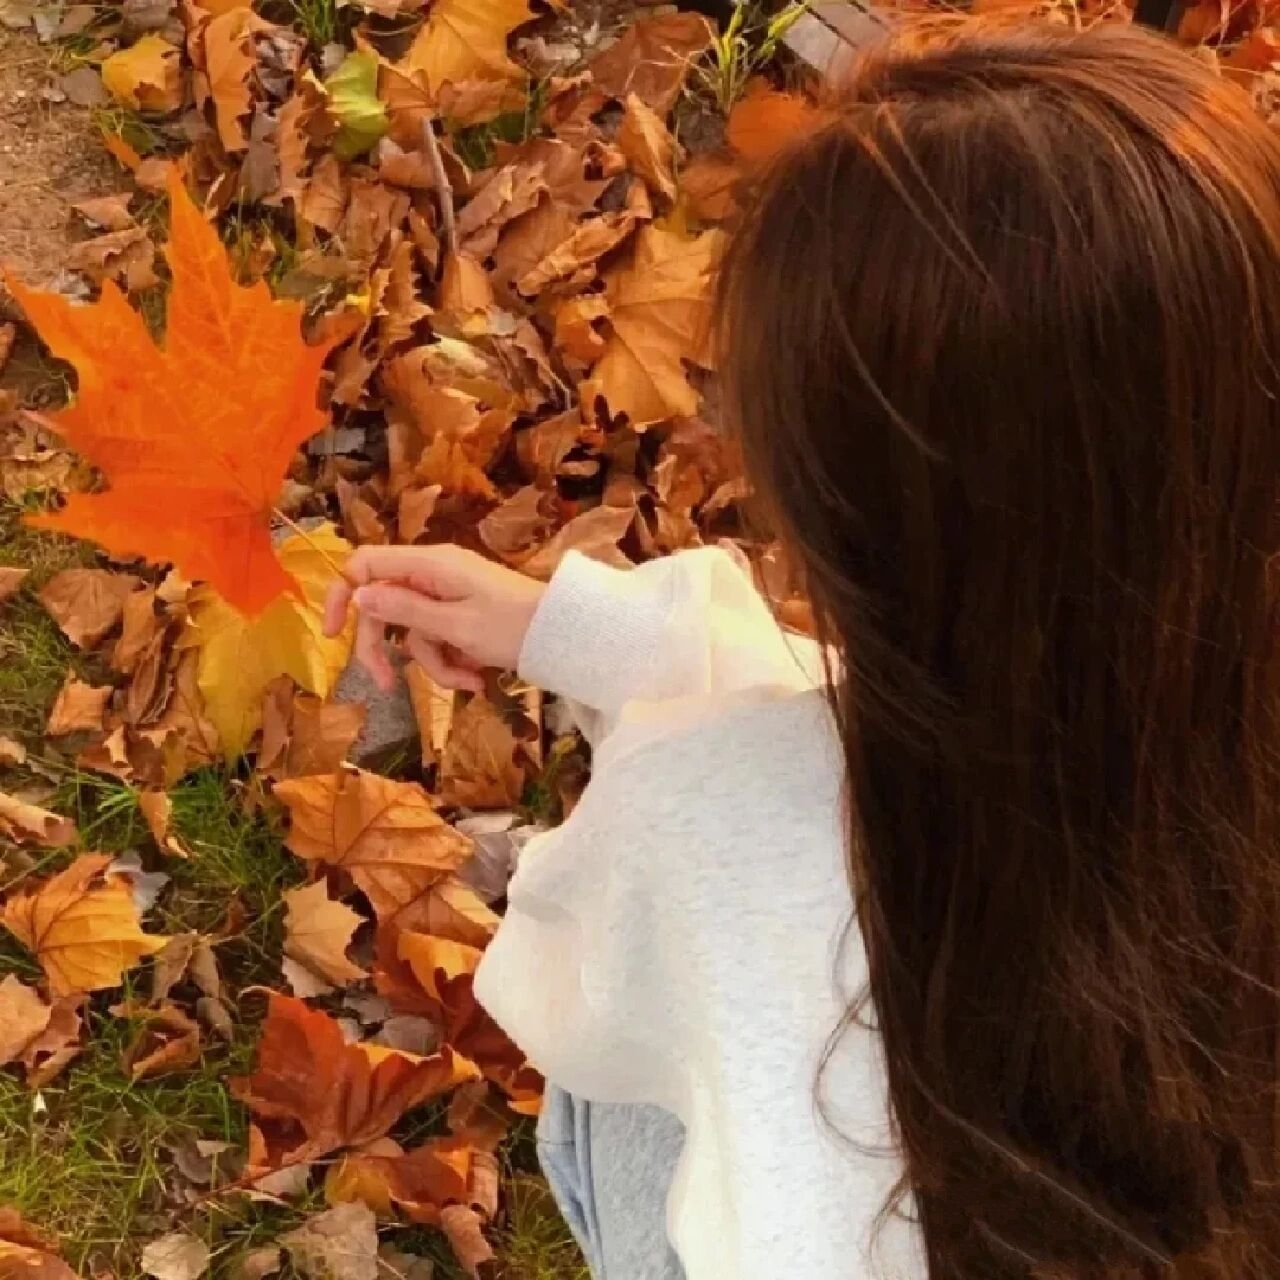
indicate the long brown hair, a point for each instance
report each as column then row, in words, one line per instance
column 1002, row 343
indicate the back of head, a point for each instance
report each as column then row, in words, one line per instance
column 1002, row 344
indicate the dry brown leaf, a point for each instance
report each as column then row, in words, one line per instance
column 652, row 58
column 339, row 1244
column 385, row 834
column 166, row 1041
column 478, row 769
column 464, row 287
column 595, row 533
column 49, row 1053
column 335, row 1092
column 659, row 313
column 87, row 603
column 708, row 187
column 127, row 257
column 229, row 62
column 303, row 734
column 12, row 752
column 139, row 628
column 318, row 932
column 648, row 145
column 574, row 259
column 27, row 823
column 157, row 812
column 11, row 580
column 24, row 1017
column 176, row 1256
column 575, row 331
column 417, row 504
column 463, row 41
column 82, row 925
column 518, row 524
column 433, row 711
column 25, row 1254
column 79, row 706
column 111, row 213
column 461, row 1225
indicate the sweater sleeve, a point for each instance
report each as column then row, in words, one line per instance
column 687, row 625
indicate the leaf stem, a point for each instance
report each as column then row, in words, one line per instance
column 294, row 527
column 444, row 188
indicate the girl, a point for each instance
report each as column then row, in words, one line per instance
column 960, row 959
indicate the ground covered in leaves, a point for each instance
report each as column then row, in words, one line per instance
column 243, row 894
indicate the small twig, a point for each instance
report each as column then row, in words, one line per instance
column 295, row 527
column 444, row 189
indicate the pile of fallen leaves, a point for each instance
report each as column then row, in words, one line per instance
column 512, row 357
column 464, row 296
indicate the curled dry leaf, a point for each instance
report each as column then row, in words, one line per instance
column 318, row 932
column 167, row 1040
column 386, row 835
column 138, row 408
column 433, row 711
column 334, row 1091
column 82, row 925
column 176, row 1256
column 79, row 706
column 339, row 1244
column 595, row 533
column 157, row 812
column 27, row 823
column 229, row 62
column 241, row 656
column 87, row 603
column 648, row 145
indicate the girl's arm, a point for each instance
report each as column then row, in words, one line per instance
column 688, row 625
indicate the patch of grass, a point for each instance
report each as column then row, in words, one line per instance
column 34, row 654
column 749, row 43
column 318, row 20
column 535, row 1243
column 475, row 144
column 91, row 1156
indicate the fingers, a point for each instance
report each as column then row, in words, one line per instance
column 439, row 571
column 371, row 651
column 403, row 607
column 445, row 673
column 336, row 604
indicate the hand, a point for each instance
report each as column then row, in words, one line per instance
column 462, row 612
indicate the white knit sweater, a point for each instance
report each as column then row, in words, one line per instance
column 678, row 941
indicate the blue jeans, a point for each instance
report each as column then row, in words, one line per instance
column 610, row 1169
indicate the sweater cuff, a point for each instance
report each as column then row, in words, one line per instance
column 596, row 634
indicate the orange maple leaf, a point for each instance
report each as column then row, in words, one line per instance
column 193, row 437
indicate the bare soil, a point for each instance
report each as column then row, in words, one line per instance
column 51, row 155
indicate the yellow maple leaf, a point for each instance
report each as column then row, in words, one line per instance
column 82, row 926
column 465, row 40
column 240, row 656
column 146, row 76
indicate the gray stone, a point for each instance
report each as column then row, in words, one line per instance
column 389, row 721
